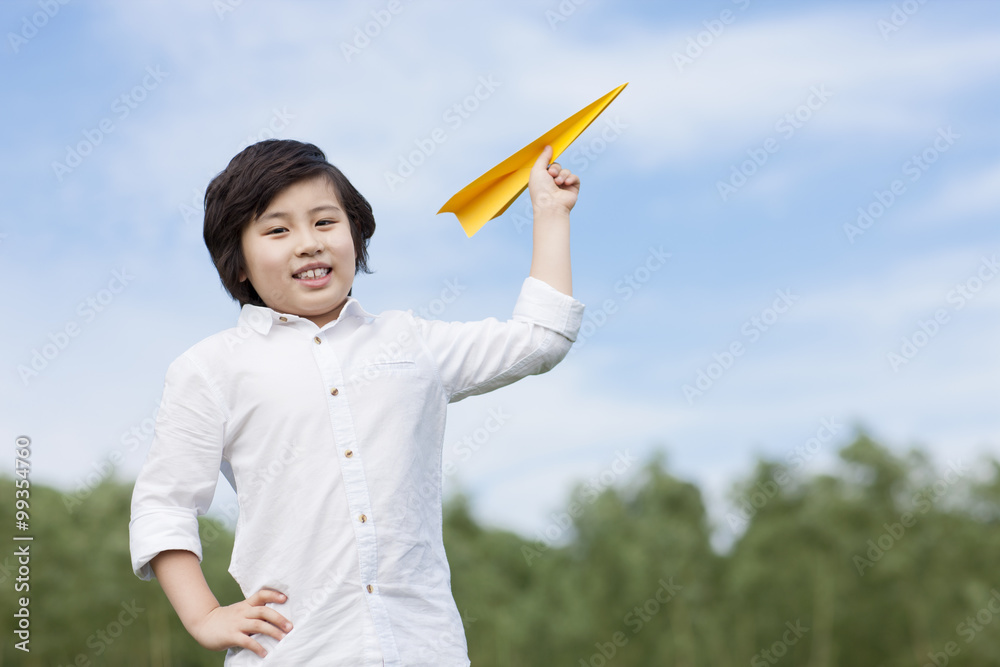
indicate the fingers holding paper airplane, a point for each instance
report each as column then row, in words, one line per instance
column 552, row 186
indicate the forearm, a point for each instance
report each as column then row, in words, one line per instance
column 550, row 261
column 181, row 578
column 213, row 626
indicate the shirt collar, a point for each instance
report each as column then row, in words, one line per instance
column 260, row 318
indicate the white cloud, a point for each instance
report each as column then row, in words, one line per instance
column 227, row 76
column 972, row 194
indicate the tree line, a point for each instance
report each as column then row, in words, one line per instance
column 888, row 560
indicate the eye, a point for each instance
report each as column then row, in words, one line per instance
column 275, row 230
column 326, row 222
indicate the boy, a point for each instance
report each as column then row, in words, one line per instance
column 332, row 421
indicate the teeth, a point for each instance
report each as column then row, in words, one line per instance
column 312, row 273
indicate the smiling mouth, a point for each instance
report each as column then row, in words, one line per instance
column 311, row 274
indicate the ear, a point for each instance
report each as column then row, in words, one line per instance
column 242, row 275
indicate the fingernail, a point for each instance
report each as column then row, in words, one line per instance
column 288, row 626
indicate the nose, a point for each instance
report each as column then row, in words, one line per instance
column 309, row 242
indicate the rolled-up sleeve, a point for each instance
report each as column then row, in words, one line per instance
column 178, row 479
column 477, row 357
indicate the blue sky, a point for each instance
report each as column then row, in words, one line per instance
column 807, row 111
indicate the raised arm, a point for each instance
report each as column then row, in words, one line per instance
column 553, row 191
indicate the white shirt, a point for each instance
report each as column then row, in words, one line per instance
column 334, row 435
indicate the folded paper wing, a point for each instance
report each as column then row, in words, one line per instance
column 489, row 195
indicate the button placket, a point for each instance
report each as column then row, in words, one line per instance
column 352, row 470
column 356, row 488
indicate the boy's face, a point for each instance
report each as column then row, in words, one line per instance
column 304, row 227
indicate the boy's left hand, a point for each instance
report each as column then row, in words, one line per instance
column 552, row 187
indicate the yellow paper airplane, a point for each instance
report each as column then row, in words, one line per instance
column 489, row 195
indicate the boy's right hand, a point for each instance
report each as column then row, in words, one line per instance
column 225, row 627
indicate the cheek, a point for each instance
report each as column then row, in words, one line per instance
column 350, row 237
column 345, row 247
column 267, row 264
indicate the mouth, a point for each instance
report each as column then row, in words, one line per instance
column 312, row 274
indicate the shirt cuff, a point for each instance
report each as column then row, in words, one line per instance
column 543, row 304
column 151, row 533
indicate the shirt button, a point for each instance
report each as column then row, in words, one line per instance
column 369, row 587
column 283, row 318
column 334, row 391
column 348, row 453
column 317, row 339
column 363, row 518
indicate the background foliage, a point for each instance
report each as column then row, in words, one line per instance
column 887, row 561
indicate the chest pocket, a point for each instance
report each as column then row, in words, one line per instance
column 395, row 371
column 400, row 384
column 389, row 367
column 402, row 366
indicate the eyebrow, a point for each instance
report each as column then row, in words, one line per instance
column 282, row 214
